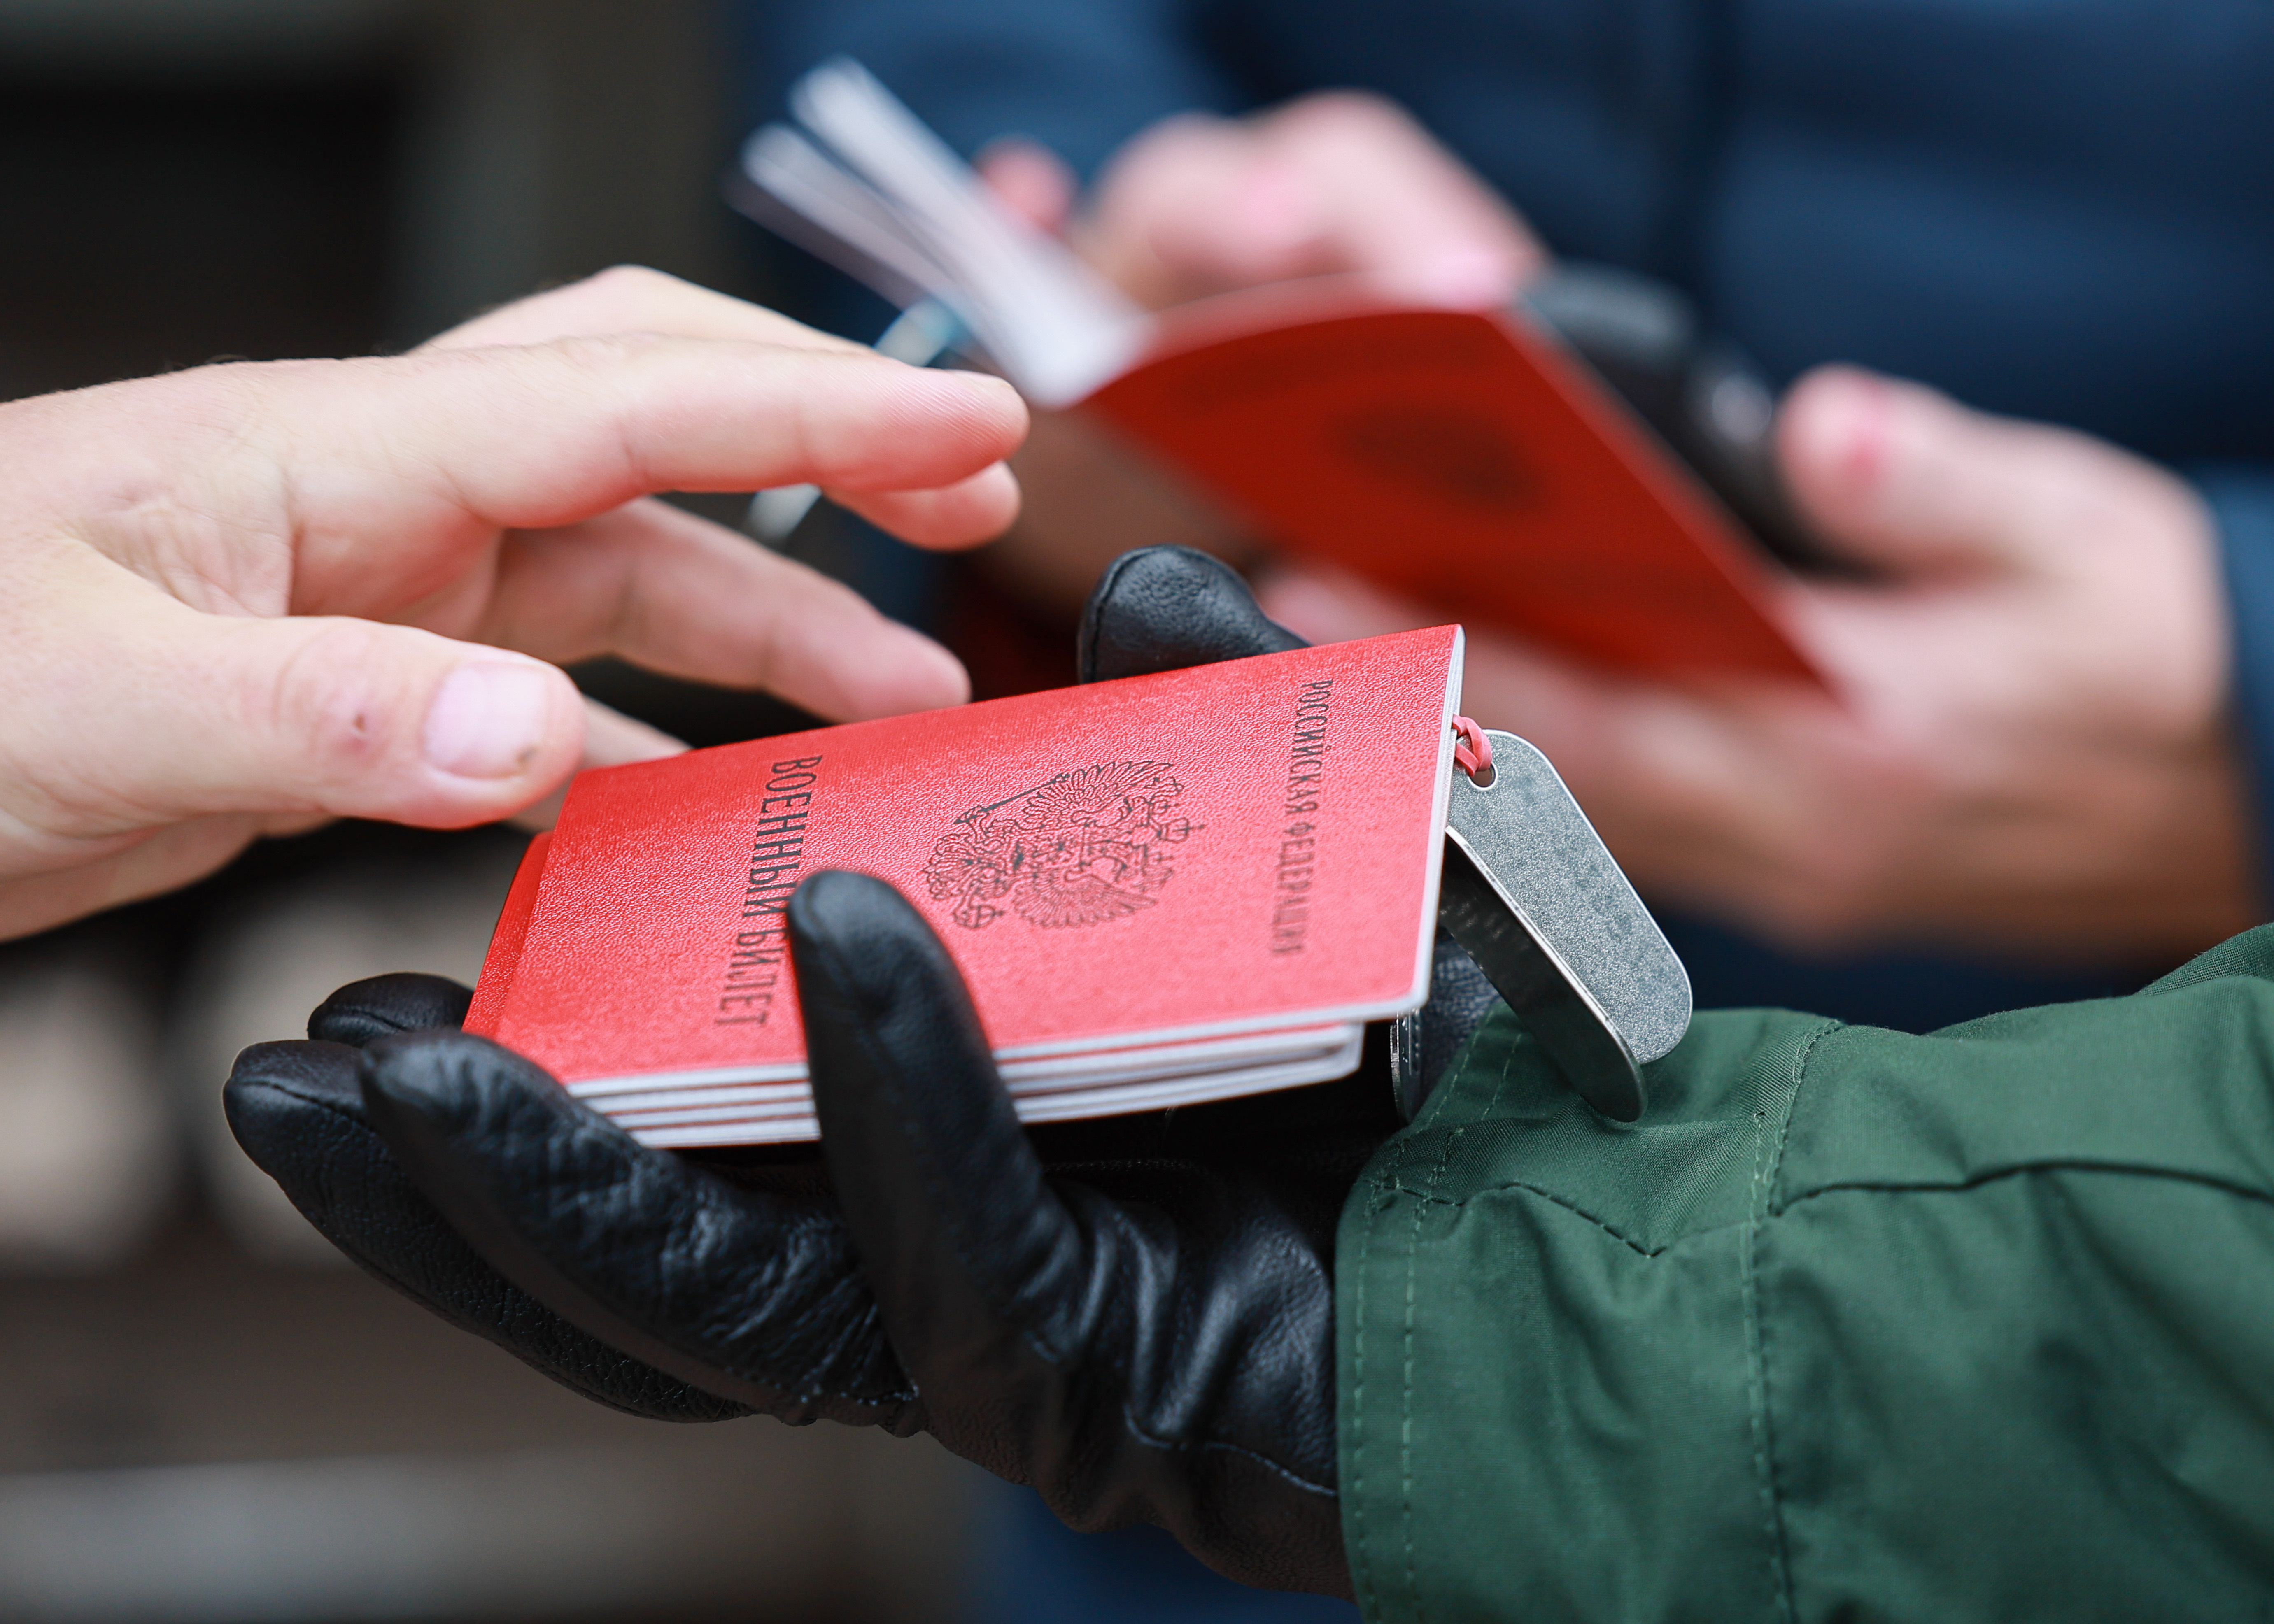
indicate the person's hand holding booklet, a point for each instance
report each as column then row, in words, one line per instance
column 1467, row 459
column 1134, row 1313
column 774, row 1281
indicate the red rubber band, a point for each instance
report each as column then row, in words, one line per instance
column 1473, row 753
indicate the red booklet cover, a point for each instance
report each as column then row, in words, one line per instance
column 1460, row 459
column 1248, row 848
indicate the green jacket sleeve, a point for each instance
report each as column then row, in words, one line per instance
column 1855, row 1325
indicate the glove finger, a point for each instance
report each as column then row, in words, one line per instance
column 1168, row 1358
column 747, row 1293
column 968, row 1250
column 297, row 1110
column 362, row 1010
column 1165, row 608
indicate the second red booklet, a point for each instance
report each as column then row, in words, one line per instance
column 1242, row 847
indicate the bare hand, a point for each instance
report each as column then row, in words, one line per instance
column 246, row 598
column 1339, row 183
column 2031, row 753
column 1334, row 182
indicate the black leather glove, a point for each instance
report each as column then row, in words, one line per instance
column 1133, row 1314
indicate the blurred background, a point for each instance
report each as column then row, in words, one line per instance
column 204, row 1413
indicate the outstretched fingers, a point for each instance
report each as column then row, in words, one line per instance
column 683, row 596
column 442, row 443
column 632, row 298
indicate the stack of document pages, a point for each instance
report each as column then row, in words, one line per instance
column 865, row 184
column 1161, row 890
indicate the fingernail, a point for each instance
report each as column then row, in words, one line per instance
column 1848, row 427
column 488, row 720
column 1465, row 279
column 1276, row 207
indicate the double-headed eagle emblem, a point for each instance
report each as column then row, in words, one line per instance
column 1089, row 845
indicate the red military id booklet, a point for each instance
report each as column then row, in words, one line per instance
column 1161, row 889
column 1462, row 458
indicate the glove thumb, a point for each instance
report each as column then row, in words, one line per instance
column 1163, row 608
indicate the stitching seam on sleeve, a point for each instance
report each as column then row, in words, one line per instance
column 1362, row 1563
column 1550, row 1196
column 1405, row 1390
column 1757, row 1336
column 2106, row 1167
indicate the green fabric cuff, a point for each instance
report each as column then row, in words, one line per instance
column 1550, row 1399
column 1855, row 1324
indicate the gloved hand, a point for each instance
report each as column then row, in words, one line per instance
column 1135, row 1314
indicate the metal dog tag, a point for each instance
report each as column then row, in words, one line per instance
column 1551, row 920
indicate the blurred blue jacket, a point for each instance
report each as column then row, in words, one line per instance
column 2058, row 209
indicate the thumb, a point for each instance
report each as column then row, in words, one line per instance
column 1895, row 475
column 1161, row 608
column 971, row 1255
column 1030, row 180
column 195, row 714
